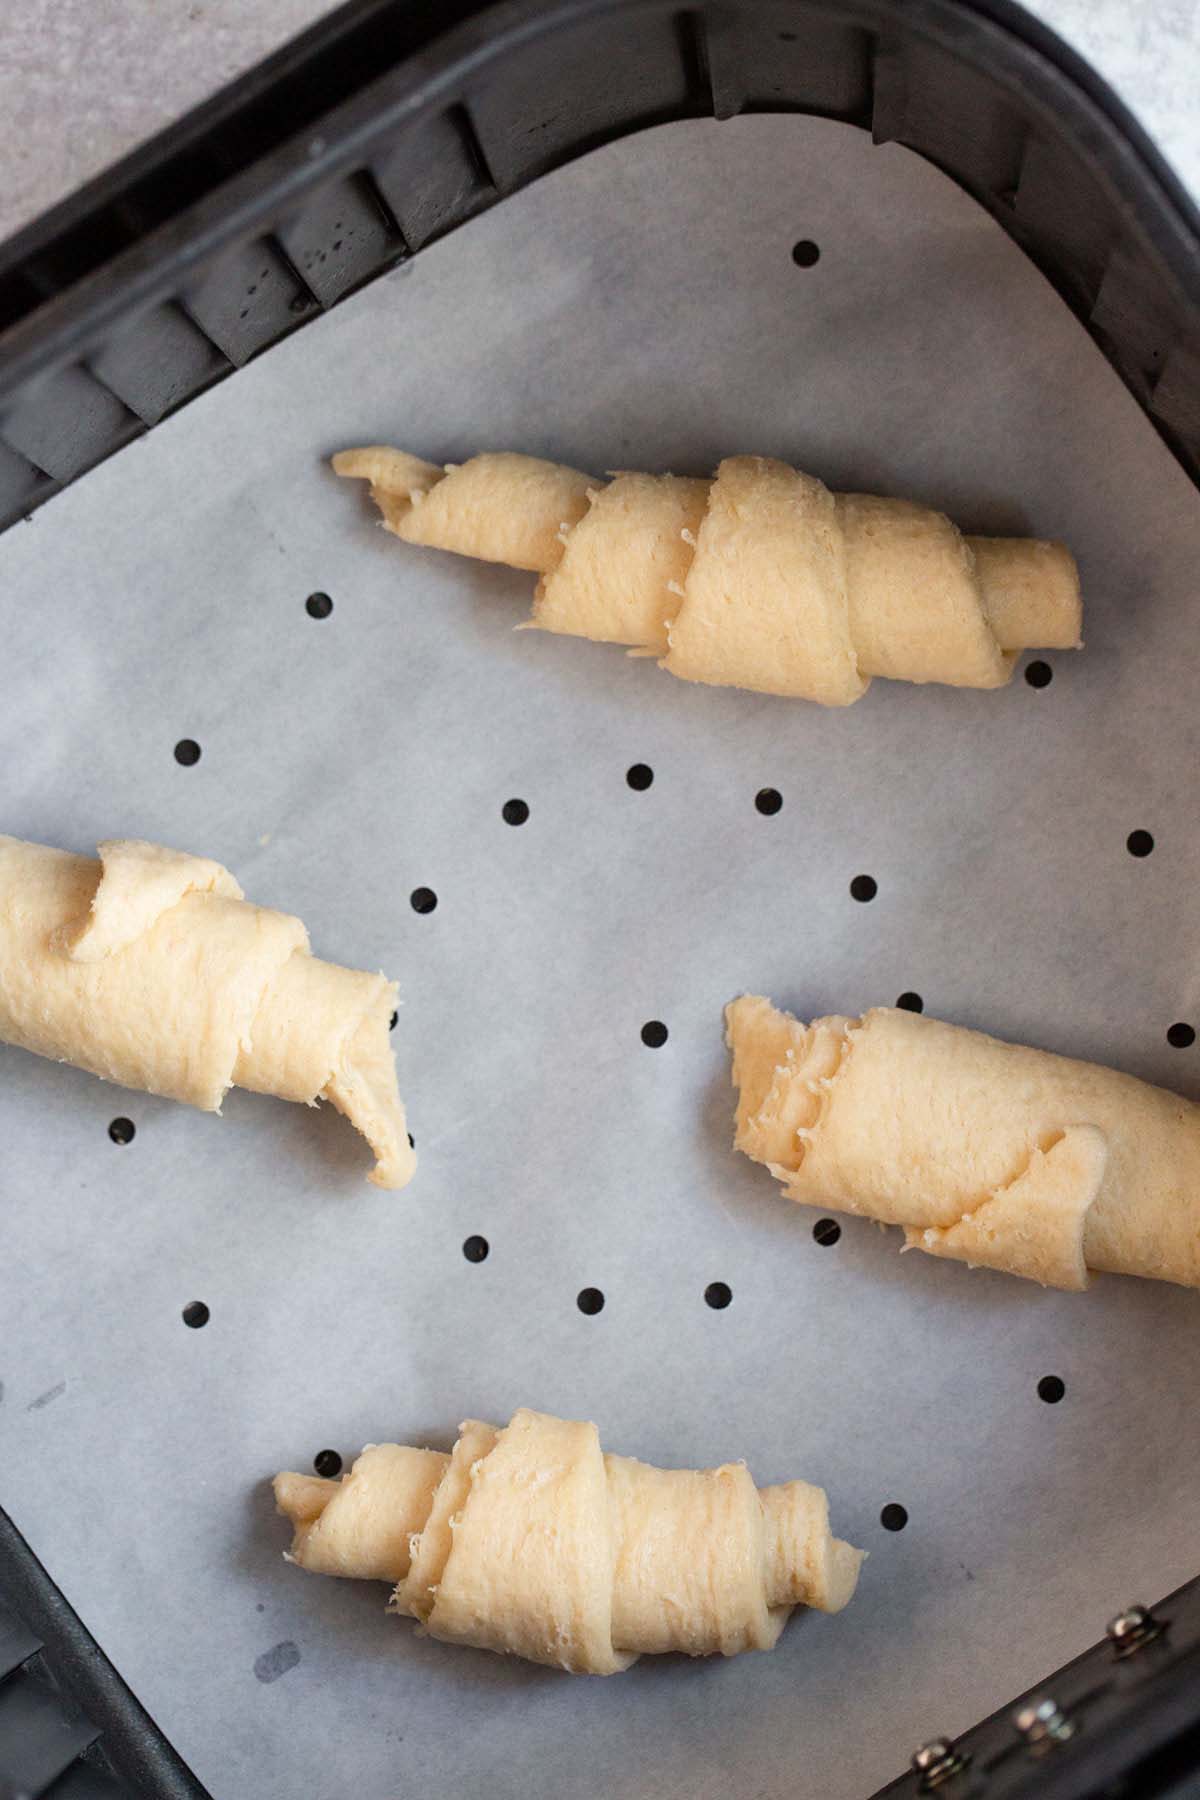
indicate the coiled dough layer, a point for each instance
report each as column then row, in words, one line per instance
column 528, row 1540
column 991, row 1153
column 149, row 968
column 761, row 578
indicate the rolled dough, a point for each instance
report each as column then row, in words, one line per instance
column 991, row 1153
column 759, row 579
column 149, row 968
column 528, row 1540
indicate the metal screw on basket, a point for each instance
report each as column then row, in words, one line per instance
column 936, row 1762
column 1042, row 1722
column 1132, row 1628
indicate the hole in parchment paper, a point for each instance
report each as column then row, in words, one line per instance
column 718, row 1294
column 1139, row 843
column 864, row 887
column 894, row 1517
column 514, row 812
column 195, row 1314
column 805, row 253
column 768, row 801
column 639, row 777
column 393, row 1021
column 1051, row 1389
column 1039, row 674
column 327, row 1463
column 590, row 1300
column 654, row 1034
column 423, row 900
column 827, row 1231
column 318, row 606
column 475, row 1248
column 911, row 1002
column 1180, row 1036
column 187, row 752
column 412, row 1142
column 122, row 1131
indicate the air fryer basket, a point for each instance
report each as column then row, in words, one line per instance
column 342, row 157
column 400, row 121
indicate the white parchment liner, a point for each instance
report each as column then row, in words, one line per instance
column 638, row 309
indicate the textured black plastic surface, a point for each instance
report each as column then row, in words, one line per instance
column 1134, row 1727
column 69, row 1727
column 393, row 121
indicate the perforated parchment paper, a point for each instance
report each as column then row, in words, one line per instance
column 641, row 308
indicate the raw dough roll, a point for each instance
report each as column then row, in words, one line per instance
column 759, row 579
column 528, row 1540
column 990, row 1153
column 150, row 969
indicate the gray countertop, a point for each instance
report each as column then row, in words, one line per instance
column 82, row 81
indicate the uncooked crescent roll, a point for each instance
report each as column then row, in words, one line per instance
column 150, row 969
column 990, row 1153
column 759, row 579
column 527, row 1539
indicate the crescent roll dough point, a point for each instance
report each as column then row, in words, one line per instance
column 500, row 507
column 303, row 1498
column 321, row 1032
column 139, row 882
column 760, row 579
column 364, row 1089
column 150, row 969
column 988, row 1152
column 1035, row 1225
column 359, row 1525
column 399, row 482
column 530, row 1541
